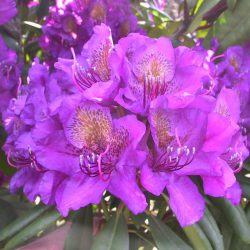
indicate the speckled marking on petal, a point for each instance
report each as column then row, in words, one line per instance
column 90, row 128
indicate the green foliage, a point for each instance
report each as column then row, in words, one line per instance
column 233, row 26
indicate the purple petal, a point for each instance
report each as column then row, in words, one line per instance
column 78, row 191
column 217, row 185
column 123, row 185
column 154, row 182
column 185, row 201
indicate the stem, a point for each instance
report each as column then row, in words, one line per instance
column 142, row 237
column 105, row 210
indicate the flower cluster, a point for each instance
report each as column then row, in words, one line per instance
column 71, row 23
column 234, row 73
column 127, row 118
column 9, row 74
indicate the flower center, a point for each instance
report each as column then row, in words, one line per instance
column 174, row 158
column 93, row 164
column 24, row 158
column 233, row 159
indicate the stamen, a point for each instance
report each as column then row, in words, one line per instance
column 93, row 165
column 100, row 164
column 233, row 158
column 83, row 78
column 217, row 57
column 20, row 159
column 177, row 137
column 174, row 159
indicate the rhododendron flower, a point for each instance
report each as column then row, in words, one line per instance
column 178, row 135
column 94, row 72
column 223, row 137
column 61, row 134
column 108, row 159
column 152, row 67
column 9, row 75
column 7, row 10
column 195, row 141
column 71, row 24
column 233, row 72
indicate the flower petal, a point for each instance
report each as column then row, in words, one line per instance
column 185, row 201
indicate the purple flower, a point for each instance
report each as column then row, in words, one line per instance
column 62, row 144
column 233, row 73
column 9, row 75
column 7, row 10
column 151, row 68
column 178, row 135
column 201, row 139
column 71, row 24
column 95, row 72
column 108, row 159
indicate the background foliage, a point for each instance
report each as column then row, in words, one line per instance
column 110, row 225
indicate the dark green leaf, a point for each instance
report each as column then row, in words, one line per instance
column 113, row 236
column 233, row 26
column 164, row 237
column 210, row 228
column 7, row 214
column 205, row 7
column 237, row 244
column 80, row 234
column 134, row 241
column 21, row 222
column 42, row 223
column 231, row 4
column 236, row 218
column 43, row 9
column 197, row 237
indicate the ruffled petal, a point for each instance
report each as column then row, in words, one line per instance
column 185, row 201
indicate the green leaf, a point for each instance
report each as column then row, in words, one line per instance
column 7, row 214
column 233, row 26
column 80, row 234
column 236, row 218
column 113, row 236
column 164, row 237
column 40, row 224
column 43, row 9
column 197, row 237
column 134, row 241
column 21, row 222
column 33, row 24
column 210, row 228
column 237, row 244
column 231, row 4
column 204, row 8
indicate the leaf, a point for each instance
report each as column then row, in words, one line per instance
column 113, row 236
column 236, row 218
column 204, row 8
column 40, row 224
column 210, row 228
column 164, row 237
column 134, row 241
column 197, row 237
column 237, row 244
column 80, row 234
column 231, row 4
column 233, row 26
column 43, row 9
column 7, row 213
column 138, row 219
column 33, row 24
column 21, row 222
